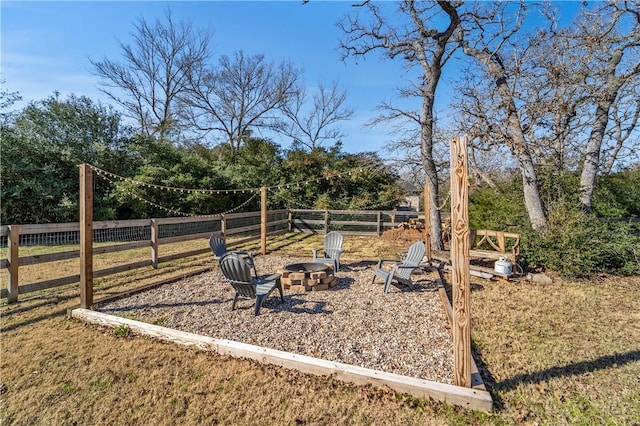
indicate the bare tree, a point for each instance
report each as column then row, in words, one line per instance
column 312, row 125
column 485, row 35
column 422, row 40
column 154, row 72
column 610, row 39
column 244, row 93
column 625, row 113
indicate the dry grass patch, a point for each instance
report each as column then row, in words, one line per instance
column 565, row 353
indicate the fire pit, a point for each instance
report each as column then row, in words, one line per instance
column 301, row 277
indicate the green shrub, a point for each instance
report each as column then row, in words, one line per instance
column 500, row 209
column 577, row 245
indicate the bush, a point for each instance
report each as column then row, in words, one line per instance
column 577, row 245
column 500, row 209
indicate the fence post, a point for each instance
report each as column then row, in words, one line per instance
column 460, row 273
column 223, row 225
column 290, row 220
column 379, row 226
column 500, row 240
column 154, row 243
column 14, row 236
column 86, row 236
column 326, row 221
column 263, row 220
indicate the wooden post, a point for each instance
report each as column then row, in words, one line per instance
column 223, row 225
column 460, row 275
column 263, row 220
column 13, row 258
column 86, row 236
column 326, row 222
column 427, row 220
column 290, row 220
column 154, row 243
column 379, row 229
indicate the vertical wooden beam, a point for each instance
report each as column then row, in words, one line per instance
column 379, row 221
column 223, row 225
column 460, row 284
column 290, row 221
column 13, row 258
column 427, row 220
column 501, row 244
column 326, row 221
column 86, row 236
column 263, row 220
column 154, row 243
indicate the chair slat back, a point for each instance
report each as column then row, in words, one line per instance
column 218, row 246
column 414, row 257
column 236, row 269
column 332, row 244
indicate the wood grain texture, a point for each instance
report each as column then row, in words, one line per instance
column 13, row 262
column 86, row 235
column 263, row 220
column 460, row 284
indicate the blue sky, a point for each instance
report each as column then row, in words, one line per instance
column 46, row 47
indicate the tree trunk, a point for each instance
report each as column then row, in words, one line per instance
column 426, row 136
column 592, row 157
column 532, row 200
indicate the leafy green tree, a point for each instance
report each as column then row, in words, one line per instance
column 332, row 179
column 164, row 174
column 42, row 150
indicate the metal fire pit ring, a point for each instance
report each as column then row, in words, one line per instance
column 306, row 267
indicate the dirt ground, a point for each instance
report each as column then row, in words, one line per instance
column 560, row 353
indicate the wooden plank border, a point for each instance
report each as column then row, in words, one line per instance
column 476, row 399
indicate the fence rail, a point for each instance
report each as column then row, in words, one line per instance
column 122, row 235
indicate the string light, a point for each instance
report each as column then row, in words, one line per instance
column 173, row 211
column 326, row 175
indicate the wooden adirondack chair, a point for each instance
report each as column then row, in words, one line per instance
column 332, row 250
column 402, row 269
column 238, row 273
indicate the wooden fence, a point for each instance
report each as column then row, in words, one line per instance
column 117, row 236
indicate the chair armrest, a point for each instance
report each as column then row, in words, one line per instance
column 267, row 279
column 401, row 266
column 381, row 261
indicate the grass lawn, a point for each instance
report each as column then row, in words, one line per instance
column 562, row 353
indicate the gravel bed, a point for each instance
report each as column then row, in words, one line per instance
column 402, row 332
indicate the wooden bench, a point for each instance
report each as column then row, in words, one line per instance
column 487, row 244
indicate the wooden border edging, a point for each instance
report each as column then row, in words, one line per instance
column 465, row 397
